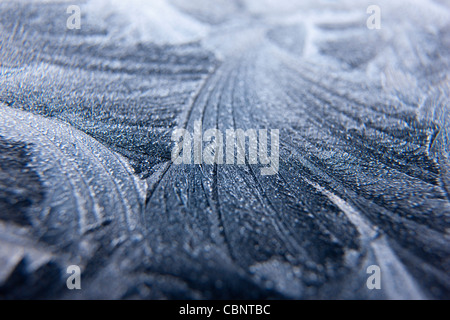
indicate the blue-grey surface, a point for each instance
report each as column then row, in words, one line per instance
column 86, row 176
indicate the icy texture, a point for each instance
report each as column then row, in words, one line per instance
column 85, row 171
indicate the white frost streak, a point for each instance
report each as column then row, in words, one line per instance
column 153, row 21
column 396, row 280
